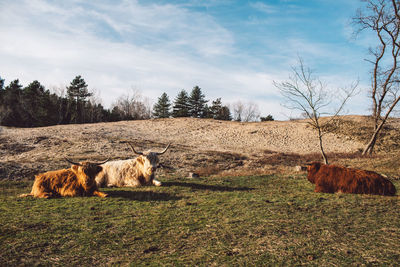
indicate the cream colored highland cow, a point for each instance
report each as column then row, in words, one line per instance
column 131, row 172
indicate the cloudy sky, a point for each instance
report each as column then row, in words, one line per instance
column 231, row 49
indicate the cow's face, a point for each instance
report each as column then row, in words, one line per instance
column 86, row 173
column 150, row 161
column 312, row 169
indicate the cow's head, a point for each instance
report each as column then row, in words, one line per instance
column 86, row 171
column 312, row 169
column 149, row 160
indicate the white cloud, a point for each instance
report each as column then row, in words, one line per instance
column 265, row 8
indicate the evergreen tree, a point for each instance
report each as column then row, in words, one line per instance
column 224, row 114
column 267, row 118
column 162, row 108
column 99, row 113
column 52, row 102
column 181, row 105
column 77, row 93
column 116, row 114
column 11, row 106
column 207, row 112
column 197, row 103
column 35, row 100
column 220, row 112
column 1, row 93
column 216, row 107
column 1, row 83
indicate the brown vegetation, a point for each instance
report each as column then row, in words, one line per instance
column 204, row 146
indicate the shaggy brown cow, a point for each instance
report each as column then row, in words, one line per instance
column 131, row 172
column 332, row 178
column 76, row 181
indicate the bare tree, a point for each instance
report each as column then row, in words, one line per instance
column 95, row 98
column 306, row 93
column 237, row 110
column 382, row 17
column 246, row 112
column 59, row 90
column 133, row 106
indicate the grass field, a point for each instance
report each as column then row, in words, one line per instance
column 260, row 220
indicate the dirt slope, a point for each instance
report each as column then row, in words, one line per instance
column 202, row 145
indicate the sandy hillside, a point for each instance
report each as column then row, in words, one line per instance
column 202, row 145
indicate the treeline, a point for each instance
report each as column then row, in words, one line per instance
column 193, row 105
column 35, row 106
column 196, row 106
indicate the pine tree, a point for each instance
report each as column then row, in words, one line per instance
column 35, row 105
column 207, row 112
column 267, row 118
column 224, row 114
column 1, row 83
column 181, row 105
column 2, row 108
column 11, row 106
column 162, row 108
column 77, row 93
column 220, row 112
column 116, row 114
column 197, row 103
column 216, row 107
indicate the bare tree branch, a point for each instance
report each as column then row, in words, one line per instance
column 383, row 18
column 309, row 95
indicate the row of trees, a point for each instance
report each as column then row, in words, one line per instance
column 193, row 105
column 34, row 105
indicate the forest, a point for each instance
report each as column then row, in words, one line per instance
column 35, row 106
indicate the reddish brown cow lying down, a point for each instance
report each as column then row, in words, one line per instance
column 332, row 178
column 76, row 181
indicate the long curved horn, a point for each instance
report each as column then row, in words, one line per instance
column 134, row 151
column 165, row 150
column 73, row 163
column 99, row 163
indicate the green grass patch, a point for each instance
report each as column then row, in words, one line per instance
column 260, row 220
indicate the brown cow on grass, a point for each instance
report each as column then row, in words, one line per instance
column 131, row 172
column 76, row 181
column 332, row 178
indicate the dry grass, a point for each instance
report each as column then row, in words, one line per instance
column 207, row 147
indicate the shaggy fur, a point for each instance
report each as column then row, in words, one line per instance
column 131, row 172
column 332, row 178
column 76, row 181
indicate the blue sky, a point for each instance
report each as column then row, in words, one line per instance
column 231, row 49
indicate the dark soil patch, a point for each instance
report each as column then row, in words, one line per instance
column 16, row 171
column 13, row 148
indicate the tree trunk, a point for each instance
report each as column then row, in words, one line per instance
column 325, row 158
column 369, row 148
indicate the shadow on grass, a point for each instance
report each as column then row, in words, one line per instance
column 208, row 187
column 142, row 195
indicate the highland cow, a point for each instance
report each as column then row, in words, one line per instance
column 332, row 178
column 76, row 181
column 131, row 172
